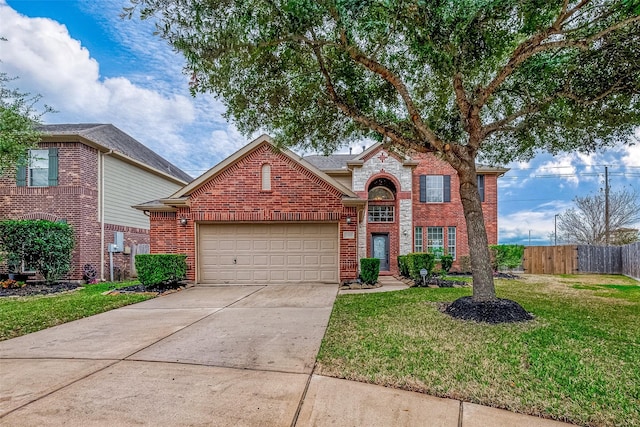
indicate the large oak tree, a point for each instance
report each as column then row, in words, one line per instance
column 499, row 79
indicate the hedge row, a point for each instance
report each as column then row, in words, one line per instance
column 161, row 269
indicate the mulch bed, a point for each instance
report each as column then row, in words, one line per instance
column 38, row 289
column 498, row 311
column 156, row 289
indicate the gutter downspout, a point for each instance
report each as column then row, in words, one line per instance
column 101, row 200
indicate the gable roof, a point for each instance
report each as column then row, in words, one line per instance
column 339, row 162
column 180, row 196
column 106, row 138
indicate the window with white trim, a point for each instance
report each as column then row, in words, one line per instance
column 380, row 213
column 435, row 241
column 41, row 169
column 417, row 240
column 435, row 188
column 451, row 241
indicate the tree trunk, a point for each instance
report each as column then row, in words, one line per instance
column 483, row 287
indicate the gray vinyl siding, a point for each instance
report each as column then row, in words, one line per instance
column 126, row 185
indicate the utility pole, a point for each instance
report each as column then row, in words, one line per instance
column 555, row 230
column 606, row 205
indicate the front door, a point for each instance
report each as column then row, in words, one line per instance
column 380, row 250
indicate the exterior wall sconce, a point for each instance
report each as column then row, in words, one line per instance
column 183, row 221
column 348, row 220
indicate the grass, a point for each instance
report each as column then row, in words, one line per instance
column 23, row 315
column 578, row 361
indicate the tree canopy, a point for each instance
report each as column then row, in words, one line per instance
column 18, row 120
column 499, row 79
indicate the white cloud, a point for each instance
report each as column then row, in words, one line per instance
column 153, row 107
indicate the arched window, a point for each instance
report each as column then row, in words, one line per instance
column 380, row 193
column 266, row 177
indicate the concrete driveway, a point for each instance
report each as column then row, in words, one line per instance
column 209, row 355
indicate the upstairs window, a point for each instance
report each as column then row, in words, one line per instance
column 41, row 169
column 435, row 188
column 266, row 177
column 380, row 213
column 380, row 193
column 480, row 181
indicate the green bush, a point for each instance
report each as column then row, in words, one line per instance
column 45, row 246
column 417, row 261
column 369, row 270
column 161, row 269
column 403, row 266
column 446, row 261
column 506, row 256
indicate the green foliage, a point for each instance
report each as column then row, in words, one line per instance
column 403, row 266
column 417, row 261
column 24, row 315
column 318, row 74
column 506, row 256
column 18, row 119
column 369, row 270
column 446, row 261
column 496, row 79
column 43, row 245
column 161, row 269
column 580, row 353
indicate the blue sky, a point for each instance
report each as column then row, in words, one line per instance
column 94, row 67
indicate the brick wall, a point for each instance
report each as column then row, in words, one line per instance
column 236, row 194
column 74, row 200
column 450, row 213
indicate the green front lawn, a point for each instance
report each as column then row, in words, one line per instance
column 578, row 361
column 23, row 315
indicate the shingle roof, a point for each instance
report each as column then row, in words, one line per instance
column 112, row 138
column 331, row 162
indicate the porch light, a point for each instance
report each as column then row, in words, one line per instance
column 183, row 221
column 348, row 220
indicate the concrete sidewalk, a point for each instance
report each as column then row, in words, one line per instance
column 215, row 356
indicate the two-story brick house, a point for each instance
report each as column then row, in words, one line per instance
column 89, row 175
column 269, row 216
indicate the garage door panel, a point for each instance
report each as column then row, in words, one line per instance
column 267, row 253
column 277, row 245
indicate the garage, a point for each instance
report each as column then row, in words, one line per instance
column 261, row 253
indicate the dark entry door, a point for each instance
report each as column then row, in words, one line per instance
column 380, row 250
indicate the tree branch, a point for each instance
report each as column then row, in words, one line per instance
column 355, row 114
column 536, row 44
column 396, row 82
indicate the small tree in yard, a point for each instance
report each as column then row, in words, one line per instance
column 42, row 245
column 586, row 224
column 496, row 80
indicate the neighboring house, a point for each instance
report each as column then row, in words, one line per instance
column 269, row 216
column 89, row 175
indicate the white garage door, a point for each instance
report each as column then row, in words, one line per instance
column 267, row 253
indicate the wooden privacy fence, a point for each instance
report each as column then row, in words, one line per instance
column 572, row 259
column 551, row 259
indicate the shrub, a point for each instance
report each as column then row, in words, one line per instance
column 161, row 269
column 403, row 266
column 506, row 256
column 446, row 261
column 417, row 261
column 45, row 246
column 369, row 270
